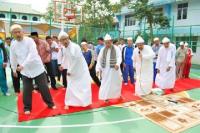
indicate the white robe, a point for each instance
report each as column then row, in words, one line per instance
column 166, row 58
column 111, row 83
column 79, row 82
column 144, row 70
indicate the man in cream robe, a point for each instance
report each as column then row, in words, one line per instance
column 143, row 62
column 166, row 70
column 78, row 91
column 108, row 64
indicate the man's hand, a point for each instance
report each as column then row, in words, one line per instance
column 168, row 69
column 116, row 67
column 158, row 71
column 61, row 68
column 97, row 74
column 90, row 66
column 15, row 74
column 4, row 65
column 68, row 74
column 19, row 68
column 124, row 65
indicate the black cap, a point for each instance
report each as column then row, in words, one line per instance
column 101, row 38
column 34, row 34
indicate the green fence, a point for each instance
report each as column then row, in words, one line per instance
column 190, row 34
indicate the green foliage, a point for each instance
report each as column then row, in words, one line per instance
column 152, row 15
column 99, row 13
column 50, row 12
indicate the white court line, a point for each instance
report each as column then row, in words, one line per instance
column 74, row 125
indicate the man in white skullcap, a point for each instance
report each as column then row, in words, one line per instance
column 127, row 53
column 188, row 60
column 143, row 62
column 165, row 78
column 25, row 59
column 108, row 64
column 78, row 91
column 180, row 60
column 156, row 46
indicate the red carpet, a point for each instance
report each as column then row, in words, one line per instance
column 40, row 110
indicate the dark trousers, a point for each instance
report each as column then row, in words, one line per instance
column 93, row 75
column 54, row 64
column 41, row 81
column 64, row 76
column 50, row 73
column 154, row 71
column 122, row 67
column 59, row 75
column 16, row 81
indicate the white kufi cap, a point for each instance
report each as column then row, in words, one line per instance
column 62, row 34
column 139, row 40
column 107, row 37
column 165, row 40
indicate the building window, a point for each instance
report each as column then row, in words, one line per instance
column 182, row 11
column 14, row 17
column 129, row 20
column 2, row 16
column 24, row 17
column 35, row 19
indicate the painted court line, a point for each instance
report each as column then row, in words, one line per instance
column 74, row 125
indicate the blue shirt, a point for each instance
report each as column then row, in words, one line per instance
column 98, row 48
column 128, row 55
column 88, row 56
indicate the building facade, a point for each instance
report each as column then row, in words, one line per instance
column 184, row 24
column 18, row 12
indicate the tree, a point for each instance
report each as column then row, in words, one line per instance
column 50, row 12
column 152, row 15
column 99, row 13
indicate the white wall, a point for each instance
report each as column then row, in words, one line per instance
column 192, row 16
column 196, row 57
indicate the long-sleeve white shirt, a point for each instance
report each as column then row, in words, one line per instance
column 24, row 53
column 62, row 60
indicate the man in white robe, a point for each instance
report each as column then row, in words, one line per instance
column 78, row 91
column 143, row 62
column 108, row 64
column 166, row 70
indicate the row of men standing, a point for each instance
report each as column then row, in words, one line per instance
column 26, row 60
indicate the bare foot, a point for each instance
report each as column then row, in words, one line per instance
column 27, row 112
column 66, row 107
column 35, row 91
column 122, row 98
column 54, row 107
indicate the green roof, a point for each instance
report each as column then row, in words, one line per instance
column 18, row 8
